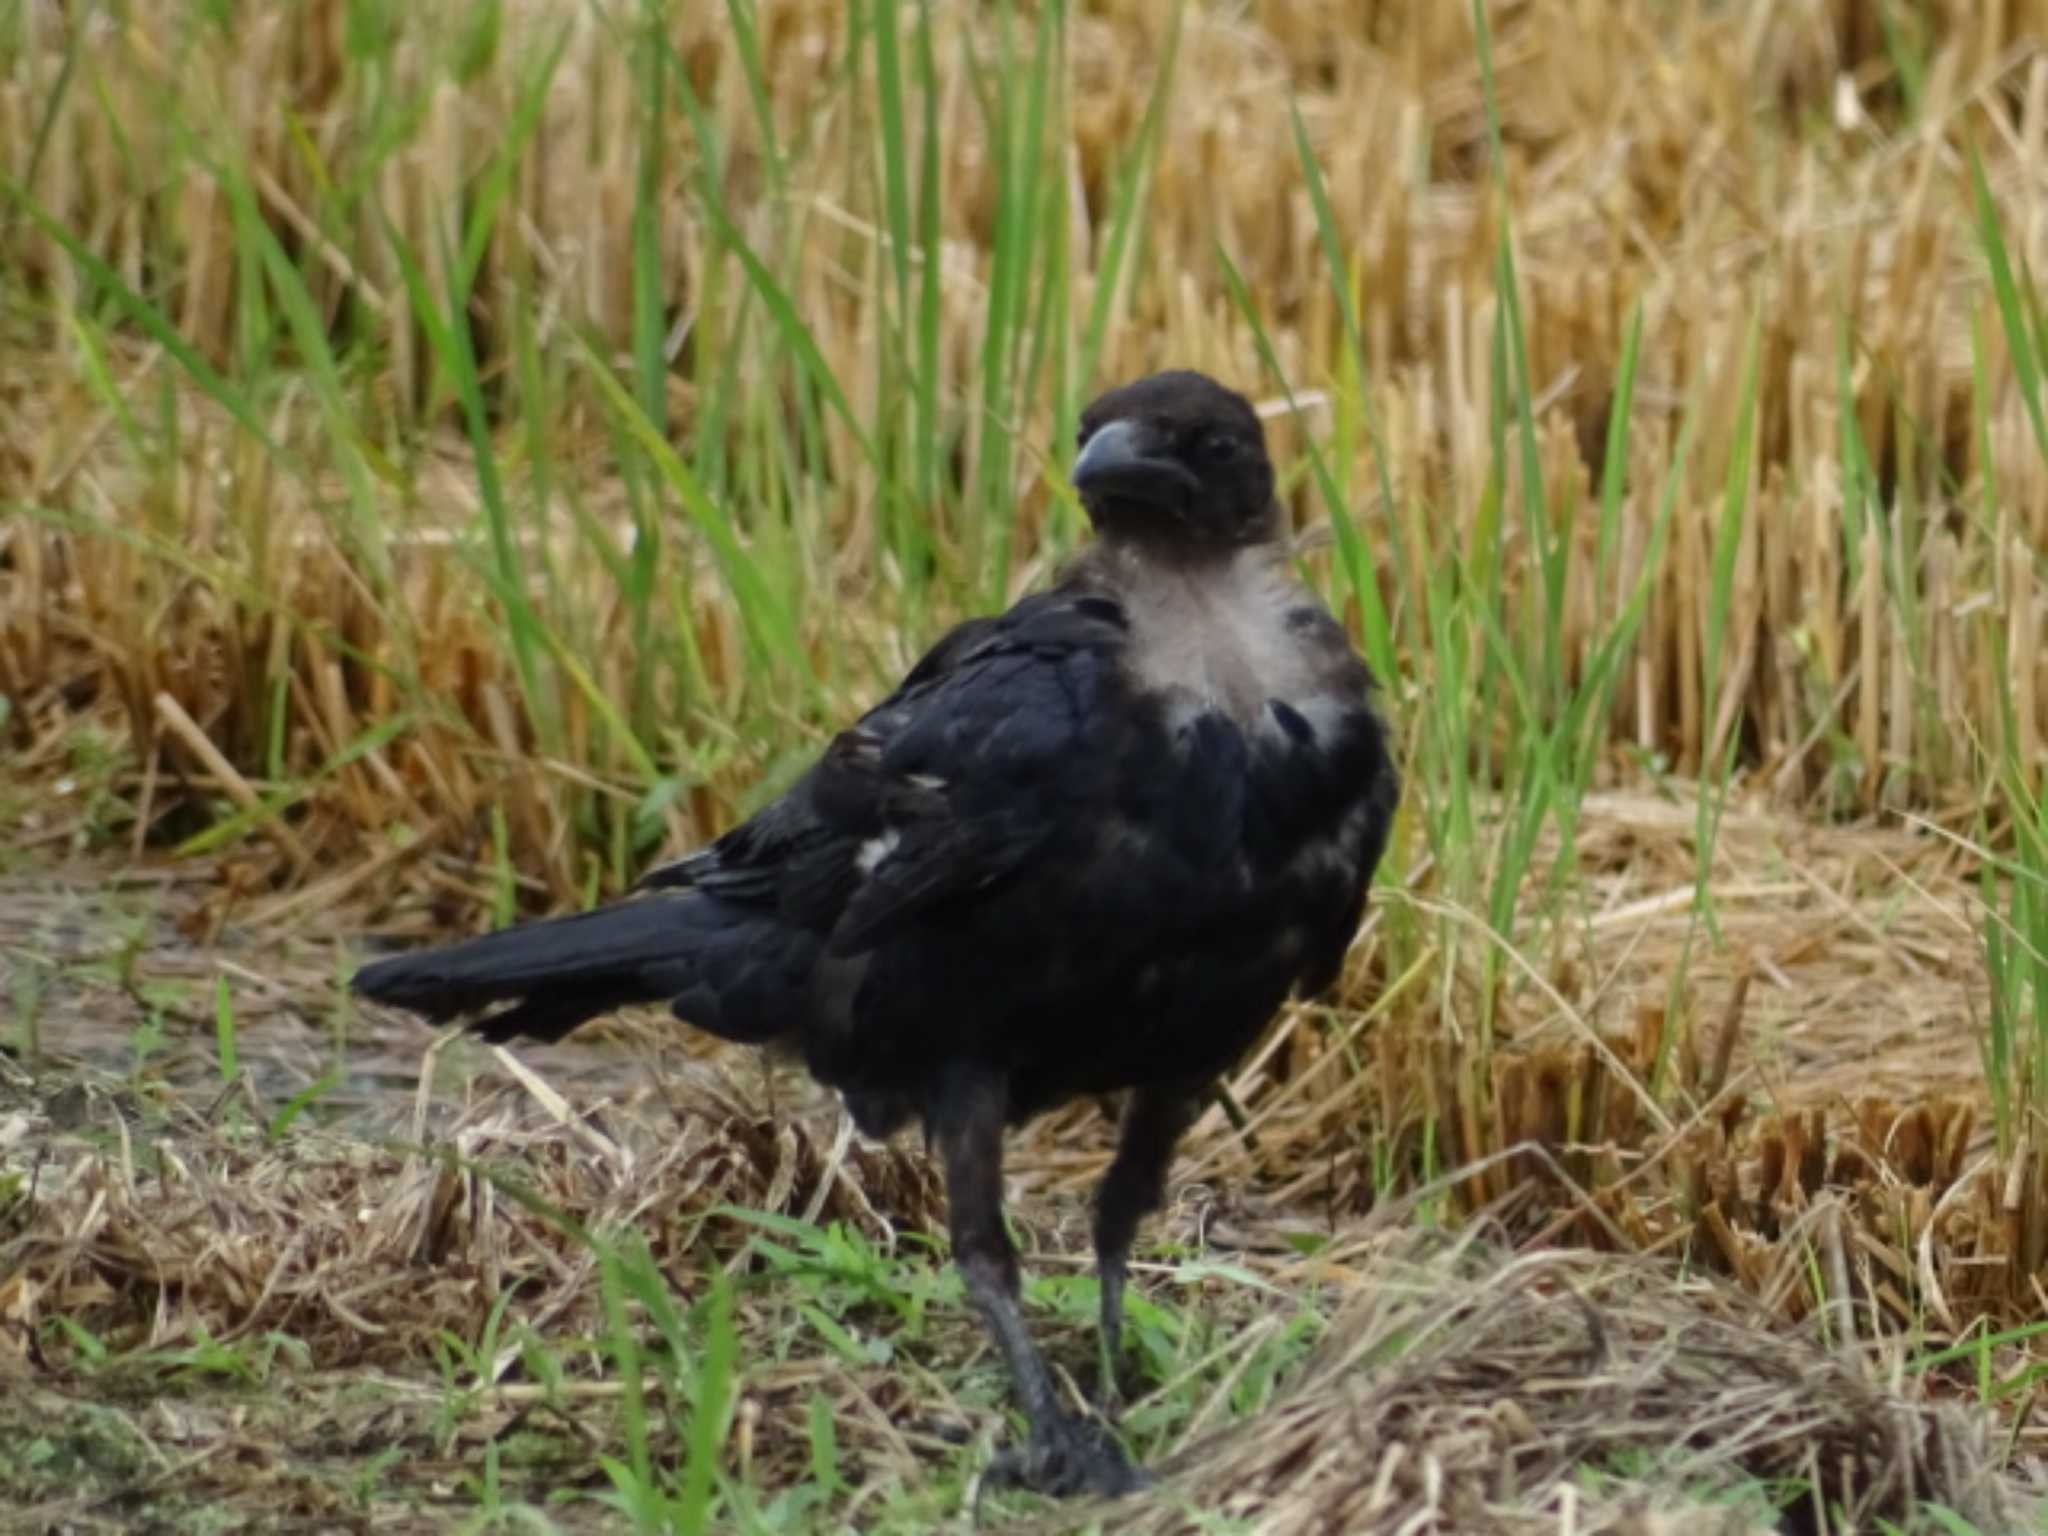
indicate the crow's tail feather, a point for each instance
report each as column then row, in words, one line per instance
column 561, row 971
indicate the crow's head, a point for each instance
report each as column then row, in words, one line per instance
column 1176, row 459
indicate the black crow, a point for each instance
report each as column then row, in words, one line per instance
column 1090, row 844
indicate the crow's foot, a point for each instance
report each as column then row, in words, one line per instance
column 1066, row 1456
column 1109, row 1400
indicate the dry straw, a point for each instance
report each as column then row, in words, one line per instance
column 363, row 1249
column 1829, row 1233
column 1462, row 1389
column 1458, row 1388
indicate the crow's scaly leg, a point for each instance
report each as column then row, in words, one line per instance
column 1066, row 1453
column 1154, row 1121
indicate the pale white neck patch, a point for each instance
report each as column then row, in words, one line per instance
column 1216, row 636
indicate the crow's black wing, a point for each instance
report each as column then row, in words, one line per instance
column 983, row 768
column 1001, row 738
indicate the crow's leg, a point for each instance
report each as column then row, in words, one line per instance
column 1067, row 1453
column 1154, row 1121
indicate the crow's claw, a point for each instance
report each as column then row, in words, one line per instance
column 1067, row 1456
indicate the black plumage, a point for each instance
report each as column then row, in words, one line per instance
column 1090, row 844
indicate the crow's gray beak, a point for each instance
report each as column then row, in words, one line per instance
column 1120, row 462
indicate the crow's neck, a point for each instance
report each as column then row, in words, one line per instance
column 1128, row 566
column 1122, row 549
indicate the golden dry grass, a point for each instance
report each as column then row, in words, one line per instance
column 1721, row 165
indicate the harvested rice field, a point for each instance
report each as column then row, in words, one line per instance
column 454, row 458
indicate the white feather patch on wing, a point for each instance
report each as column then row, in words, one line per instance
column 876, row 849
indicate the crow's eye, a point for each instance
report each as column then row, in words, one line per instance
column 1220, row 449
